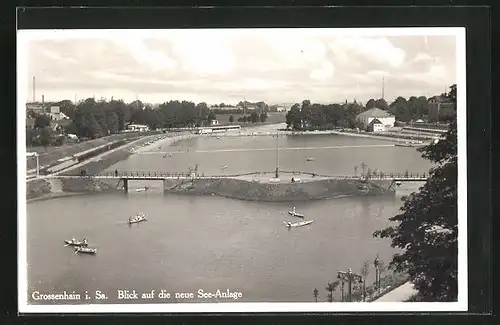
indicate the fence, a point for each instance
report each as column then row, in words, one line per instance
column 159, row 174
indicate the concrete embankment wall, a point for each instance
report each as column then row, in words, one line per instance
column 231, row 188
column 58, row 187
column 255, row 191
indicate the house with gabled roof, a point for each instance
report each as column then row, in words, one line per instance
column 384, row 117
column 376, row 126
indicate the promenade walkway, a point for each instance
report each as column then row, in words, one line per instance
column 400, row 294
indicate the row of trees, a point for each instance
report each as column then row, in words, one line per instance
column 93, row 119
column 319, row 116
column 254, row 117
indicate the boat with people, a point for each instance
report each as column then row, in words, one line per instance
column 85, row 250
column 145, row 188
column 310, row 158
column 138, row 218
column 295, row 214
column 298, row 224
column 76, row 243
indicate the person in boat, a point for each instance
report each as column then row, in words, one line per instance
column 85, row 241
column 293, row 180
column 116, row 172
column 73, row 240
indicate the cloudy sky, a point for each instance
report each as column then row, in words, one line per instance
column 276, row 66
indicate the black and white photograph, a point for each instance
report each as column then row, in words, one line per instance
column 242, row 170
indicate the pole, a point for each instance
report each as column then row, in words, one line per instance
column 37, row 166
column 277, row 156
column 34, row 97
column 349, row 279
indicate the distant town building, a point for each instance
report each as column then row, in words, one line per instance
column 384, row 117
column 56, row 114
column 282, row 108
column 137, row 128
column 224, row 108
column 35, row 107
column 440, row 108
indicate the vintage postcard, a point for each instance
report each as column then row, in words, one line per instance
column 242, row 170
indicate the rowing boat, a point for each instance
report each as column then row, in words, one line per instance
column 295, row 214
column 142, row 189
column 85, row 250
column 298, row 224
column 76, row 243
column 138, row 218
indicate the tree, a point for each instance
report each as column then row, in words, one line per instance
column 42, row 121
column 382, row 104
column 331, row 287
column 370, row 104
column 254, row 117
column 46, row 136
column 427, row 226
column 400, row 108
column 67, row 108
column 263, row 117
column 231, row 119
column 365, row 270
column 211, row 116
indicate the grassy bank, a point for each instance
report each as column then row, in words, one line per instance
column 54, row 153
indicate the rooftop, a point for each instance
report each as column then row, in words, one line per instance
column 375, row 112
column 375, row 121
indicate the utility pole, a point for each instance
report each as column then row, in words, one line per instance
column 383, row 86
column 277, row 155
column 34, row 97
column 349, row 277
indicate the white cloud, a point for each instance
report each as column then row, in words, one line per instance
column 155, row 60
column 422, row 57
column 55, row 56
column 204, row 54
column 269, row 65
column 324, row 73
column 376, row 50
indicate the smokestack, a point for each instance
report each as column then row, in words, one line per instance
column 34, row 98
column 43, row 100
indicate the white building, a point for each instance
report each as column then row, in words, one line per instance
column 384, row 117
column 56, row 114
column 137, row 128
column 214, row 122
column 282, row 108
column 376, row 126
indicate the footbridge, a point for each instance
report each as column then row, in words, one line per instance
column 124, row 177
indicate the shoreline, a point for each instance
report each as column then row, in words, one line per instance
column 243, row 188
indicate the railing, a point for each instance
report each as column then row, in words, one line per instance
column 159, row 175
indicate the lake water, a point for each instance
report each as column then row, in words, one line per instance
column 191, row 243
